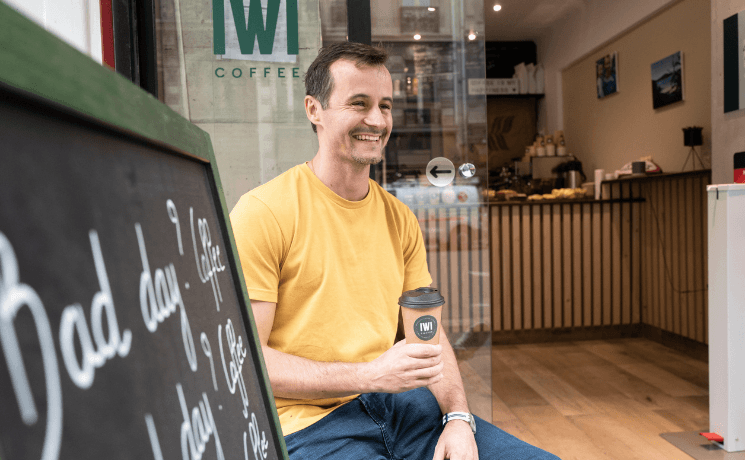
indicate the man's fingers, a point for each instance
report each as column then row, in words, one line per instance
column 423, row 350
column 439, row 452
column 425, row 363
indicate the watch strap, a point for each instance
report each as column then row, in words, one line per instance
column 465, row 416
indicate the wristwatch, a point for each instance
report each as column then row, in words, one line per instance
column 465, row 416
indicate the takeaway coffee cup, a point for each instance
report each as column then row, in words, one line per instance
column 421, row 310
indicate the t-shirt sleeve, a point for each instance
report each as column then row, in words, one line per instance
column 260, row 245
column 416, row 272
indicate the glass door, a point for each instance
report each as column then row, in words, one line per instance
column 436, row 47
column 250, row 101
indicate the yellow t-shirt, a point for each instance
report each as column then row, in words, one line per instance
column 335, row 268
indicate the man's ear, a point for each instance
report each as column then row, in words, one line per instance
column 312, row 109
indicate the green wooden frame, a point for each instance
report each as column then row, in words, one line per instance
column 38, row 65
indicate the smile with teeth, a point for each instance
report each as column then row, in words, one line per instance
column 366, row 137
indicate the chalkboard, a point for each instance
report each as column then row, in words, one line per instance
column 125, row 328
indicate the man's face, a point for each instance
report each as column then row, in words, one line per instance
column 357, row 123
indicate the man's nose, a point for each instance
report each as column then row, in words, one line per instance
column 376, row 119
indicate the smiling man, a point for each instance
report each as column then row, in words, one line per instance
column 326, row 253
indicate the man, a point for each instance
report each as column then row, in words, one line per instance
column 326, row 253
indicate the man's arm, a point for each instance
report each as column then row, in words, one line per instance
column 403, row 367
column 457, row 440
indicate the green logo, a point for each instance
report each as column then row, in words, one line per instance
column 256, row 29
column 425, row 327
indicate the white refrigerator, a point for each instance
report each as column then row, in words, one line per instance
column 726, row 230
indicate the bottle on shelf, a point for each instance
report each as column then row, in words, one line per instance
column 540, row 147
column 550, row 147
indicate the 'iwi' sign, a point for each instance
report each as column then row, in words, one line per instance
column 256, row 30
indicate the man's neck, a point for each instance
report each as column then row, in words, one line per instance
column 347, row 179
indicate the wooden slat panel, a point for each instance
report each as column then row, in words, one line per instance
column 547, row 273
column 465, row 269
column 558, row 272
column 705, row 259
column 576, row 272
column 644, row 252
column 616, row 271
column 625, row 249
column 517, row 279
column 527, row 261
column 566, row 268
column 680, row 279
column 507, row 289
column 597, row 263
column 570, row 265
column 483, row 286
column 495, row 246
column 586, row 275
column 662, row 295
column 658, row 197
column 636, row 257
column 690, row 258
column 454, row 273
column 443, row 264
column 675, row 256
column 606, row 263
column 700, row 267
column 537, row 244
column 566, row 229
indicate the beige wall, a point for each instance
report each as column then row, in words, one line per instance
column 608, row 133
column 584, row 27
column 728, row 129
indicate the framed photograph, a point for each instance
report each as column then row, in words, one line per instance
column 606, row 72
column 667, row 80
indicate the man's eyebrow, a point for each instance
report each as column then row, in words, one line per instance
column 365, row 96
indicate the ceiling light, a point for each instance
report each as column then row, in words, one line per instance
column 417, row 36
column 431, row 8
column 472, row 36
column 497, row 7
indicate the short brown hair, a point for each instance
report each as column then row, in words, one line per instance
column 318, row 80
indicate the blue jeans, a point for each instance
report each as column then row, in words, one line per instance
column 383, row 426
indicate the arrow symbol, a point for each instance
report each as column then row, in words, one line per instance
column 434, row 171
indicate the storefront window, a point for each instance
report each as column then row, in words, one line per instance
column 250, row 101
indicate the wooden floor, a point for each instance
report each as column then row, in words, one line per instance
column 599, row 400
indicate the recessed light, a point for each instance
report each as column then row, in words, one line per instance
column 431, row 8
column 497, row 7
column 472, row 36
column 417, row 36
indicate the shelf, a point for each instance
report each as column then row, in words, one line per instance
column 568, row 201
column 653, row 176
column 424, row 129
column 517, row 96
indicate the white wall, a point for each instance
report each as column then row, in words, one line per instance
column 583, row 29
column 78, row 22
column 728, row 130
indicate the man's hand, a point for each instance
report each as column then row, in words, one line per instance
column 456, row 442
column 405, row 367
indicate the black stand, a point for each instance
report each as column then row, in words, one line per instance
column 693, row 156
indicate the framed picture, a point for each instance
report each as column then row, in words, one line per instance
column 606, row 72
column 667, row 80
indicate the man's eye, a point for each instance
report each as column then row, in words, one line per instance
column 359, row 103
column 385, row 107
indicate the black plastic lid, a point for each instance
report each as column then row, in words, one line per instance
column 423, row 297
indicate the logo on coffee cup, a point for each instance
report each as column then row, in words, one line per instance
column 425, row 327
